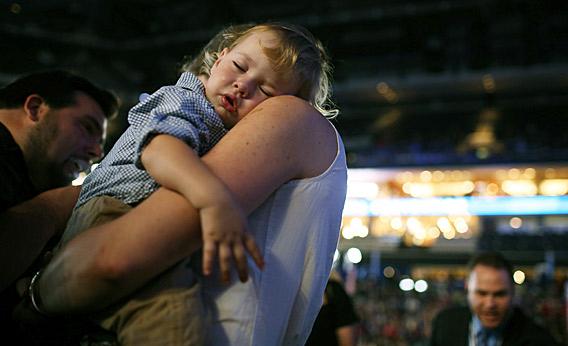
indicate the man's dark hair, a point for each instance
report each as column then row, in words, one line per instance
column 491, row 259
column 58, row 89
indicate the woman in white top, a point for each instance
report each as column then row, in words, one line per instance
column 285, row 165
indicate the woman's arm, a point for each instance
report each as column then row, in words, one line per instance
column 282, row 139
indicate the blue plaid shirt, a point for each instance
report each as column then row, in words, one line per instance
column 181, row 110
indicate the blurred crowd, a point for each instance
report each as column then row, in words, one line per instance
column 392, row 317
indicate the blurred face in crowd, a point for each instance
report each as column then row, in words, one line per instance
column 490, row 294
column 64, row 141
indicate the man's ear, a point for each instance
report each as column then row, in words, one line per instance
column 33, row 105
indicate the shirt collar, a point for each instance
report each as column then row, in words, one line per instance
column 190, row 81
column 478, row 328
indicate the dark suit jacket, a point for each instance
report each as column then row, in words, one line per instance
column 451, row 328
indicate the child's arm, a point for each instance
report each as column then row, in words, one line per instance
column 174, row 165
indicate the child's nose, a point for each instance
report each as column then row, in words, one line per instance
column 243, row 87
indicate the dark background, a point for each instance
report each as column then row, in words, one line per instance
column 420, row 84
column 432, row 55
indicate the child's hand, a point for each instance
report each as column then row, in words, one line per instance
column 225, row 226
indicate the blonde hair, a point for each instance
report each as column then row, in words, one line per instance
column 299, row 53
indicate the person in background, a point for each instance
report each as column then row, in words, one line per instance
column 337, row 323
column 491, row 319
column 52, row 126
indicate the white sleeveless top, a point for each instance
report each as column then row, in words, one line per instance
column 297, row 230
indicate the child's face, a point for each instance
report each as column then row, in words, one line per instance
column 243, row 77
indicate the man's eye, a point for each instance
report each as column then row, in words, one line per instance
column 88, row 128
column 238, row 66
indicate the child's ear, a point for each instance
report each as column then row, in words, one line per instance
column 223, row 52
column 220, row 55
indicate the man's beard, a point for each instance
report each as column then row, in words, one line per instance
column 44, row 172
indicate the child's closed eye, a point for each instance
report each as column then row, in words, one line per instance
column 238, row 66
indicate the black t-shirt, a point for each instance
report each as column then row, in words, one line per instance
column 336, row 312
column 15, row 187
column 15, row 183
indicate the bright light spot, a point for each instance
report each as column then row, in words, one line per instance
column 554, row 187
column 529, row 173
column 514, row 173
column 79, row 180
column 456, row 175
column 501, row 174
column 406, row 284
column 516, row 222
column 519, row 187
column 396, row 223
column 356, row 206
column 420, row 233
column 347, row 232
column 426, row 176
column 335, row 255
column 407, row 176
column 413, row 225
column 451, row 234
column 360, row 189
column 492, row 189
column 354, row 255
column 420, row 286
column 388, row 272
column 417, row 241
column 422, row 190
column 444, row 224
column 356, row 228
column 418, row 189
column 461, row 225
column 438, row 175
column 519, row 277
column 433, row 232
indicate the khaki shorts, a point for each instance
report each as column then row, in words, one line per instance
column 167, row 311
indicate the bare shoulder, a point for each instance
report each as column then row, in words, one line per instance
column 291, row 109
column 306, row 134
column 282, row 139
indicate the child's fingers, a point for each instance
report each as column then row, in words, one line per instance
column 240, row 261
column 209, row 252
column 253, row 250
column 225, row 258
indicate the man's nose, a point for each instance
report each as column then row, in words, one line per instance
column 95, row 151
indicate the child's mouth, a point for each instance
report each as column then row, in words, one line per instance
column 229, row 103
